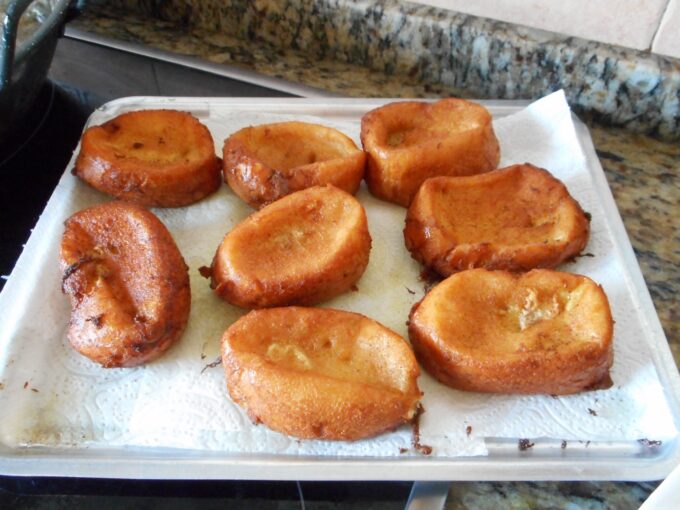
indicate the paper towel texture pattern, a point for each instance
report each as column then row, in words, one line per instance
column 53, row 396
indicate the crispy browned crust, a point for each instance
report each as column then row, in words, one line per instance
column 157, row 158
column 302, row 249
column 408, row 142
column 128, row 284
column 267, row 162
column 320, row 374
column 516, row 218
column 467, row 332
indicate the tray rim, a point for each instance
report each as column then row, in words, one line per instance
column 165, row 463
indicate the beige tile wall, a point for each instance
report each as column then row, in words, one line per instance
column 629, row 23
column 667, row 40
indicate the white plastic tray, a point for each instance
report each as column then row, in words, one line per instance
column 546, row 460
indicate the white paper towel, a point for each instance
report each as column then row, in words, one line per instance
column 53, row 396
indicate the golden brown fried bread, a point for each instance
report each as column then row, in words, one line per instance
column 264, row 163
column 302, row 249
column 128, row 284
column 320, row 374
column 412, row 141
column 495, row 331
column 517, row 218
column 158, row 158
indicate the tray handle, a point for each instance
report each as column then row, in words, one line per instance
column 428, row 496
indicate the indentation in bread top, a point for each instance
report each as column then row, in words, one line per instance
column 330, row 345
column 280, row 146
column 300, row 236
column 301, row 249
column 161, row 137
column 494, row 314
column 500, row 208
column 419, row 125
column 516, row 218
column 535, row 306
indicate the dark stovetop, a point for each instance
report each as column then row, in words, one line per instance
column 32, row 160
column 42, row 493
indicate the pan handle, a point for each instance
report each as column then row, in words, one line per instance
column 8, row 36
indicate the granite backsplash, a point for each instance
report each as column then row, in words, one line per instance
column 453, row 51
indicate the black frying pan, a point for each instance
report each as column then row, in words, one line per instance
column 23, row 68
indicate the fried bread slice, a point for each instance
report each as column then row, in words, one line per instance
column 302, row 249
column 516, row 218
column 320, row 374
column 409, row 142
column 494, row 331
column 128, row 284
column 267, row 162
column 157, row 158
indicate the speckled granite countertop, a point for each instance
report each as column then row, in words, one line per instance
column 644, row 173
column 392, row 47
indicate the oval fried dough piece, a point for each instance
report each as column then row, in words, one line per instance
column 159, row 158
column 320, row 374
column 128, row 284
column 409, row 142
column 495, row 331
column 302, row 249
column 517, row 218
column 264, row 163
